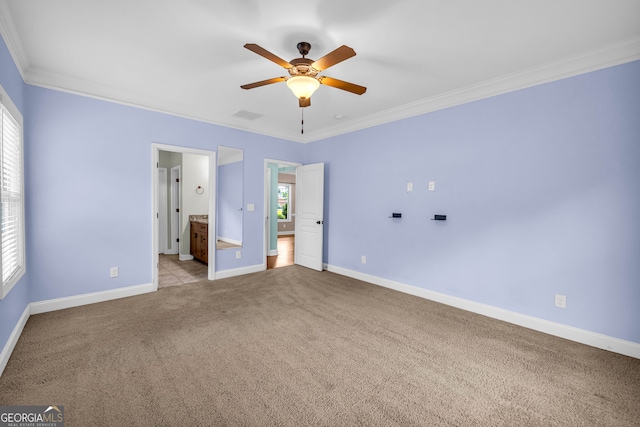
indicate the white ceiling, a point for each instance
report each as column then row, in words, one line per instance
column 186, row 57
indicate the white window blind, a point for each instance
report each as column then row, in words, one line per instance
column 11, row 198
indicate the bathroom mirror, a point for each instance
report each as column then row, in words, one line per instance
column 230, row 198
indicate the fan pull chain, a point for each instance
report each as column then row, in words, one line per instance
column 302, row 122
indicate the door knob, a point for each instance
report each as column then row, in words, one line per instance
column 319, row 222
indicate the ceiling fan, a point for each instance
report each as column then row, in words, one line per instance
column 303, row 77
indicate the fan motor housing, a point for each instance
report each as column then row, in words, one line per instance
column 302, row 67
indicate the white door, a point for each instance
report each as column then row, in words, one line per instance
column 309, row 216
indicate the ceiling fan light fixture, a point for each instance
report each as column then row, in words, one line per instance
column 303, row 86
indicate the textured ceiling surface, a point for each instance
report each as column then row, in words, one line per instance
column 187, row 58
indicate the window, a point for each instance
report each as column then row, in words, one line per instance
column 11, row 198
column 284, row 201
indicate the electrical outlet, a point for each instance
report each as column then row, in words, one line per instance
column 561, row 301
column 113, row 272
column 409, row 187
column 364, row 259
column 238, row 254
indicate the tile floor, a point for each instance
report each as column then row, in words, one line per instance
column 173, row 272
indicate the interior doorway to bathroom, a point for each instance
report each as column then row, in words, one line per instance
column 191, row 190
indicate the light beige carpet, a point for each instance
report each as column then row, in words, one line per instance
column 295, row 347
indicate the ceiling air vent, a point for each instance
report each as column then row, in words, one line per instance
column 244, row 114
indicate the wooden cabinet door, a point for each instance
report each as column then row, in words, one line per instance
column 200, row 241
column 204, row 246
column 194, row 239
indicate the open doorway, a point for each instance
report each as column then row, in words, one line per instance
column 309, row 228
column 280, row 190
column 286, row 218
column 190, row 195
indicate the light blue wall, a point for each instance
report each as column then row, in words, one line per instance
column 13, row 305
column 541, row 188
column 90, row 189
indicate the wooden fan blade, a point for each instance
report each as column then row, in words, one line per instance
column 305, row 102
column 266, row 54
column 332, row 58
column 340, row 84
column 264, row 82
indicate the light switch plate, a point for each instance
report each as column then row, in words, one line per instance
column 250, row 207
column 432, row 186
column 409, row 187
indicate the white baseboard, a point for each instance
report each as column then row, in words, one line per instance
column 227, row 240
column 13, row 339
column 239, row 271
column 286, row 233
column 605, row 342
column 62, row 303
column 582, row 336
column 272, row 252
column 183, row 257
column 84, row 299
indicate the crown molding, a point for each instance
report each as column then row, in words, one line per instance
column 614, row 54
column 89, row 89
column 12, row 40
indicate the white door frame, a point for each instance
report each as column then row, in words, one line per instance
column 270, row 252
column 162, row 211
column 266, row 236
column 176, row 173
column 155, row 159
